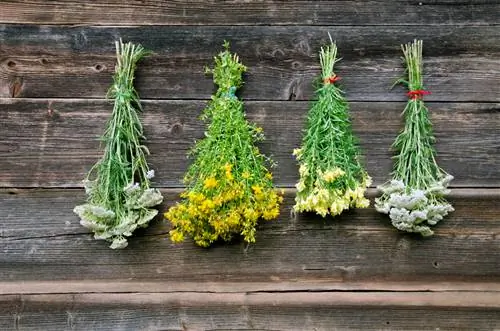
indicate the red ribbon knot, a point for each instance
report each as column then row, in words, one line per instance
column 417, row 94
column 331, row 79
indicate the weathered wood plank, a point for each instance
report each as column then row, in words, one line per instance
column 462, row 62
column 42, row 240
column 120, row 286
column 53, row 143
column 257, row 311
column 268, row 12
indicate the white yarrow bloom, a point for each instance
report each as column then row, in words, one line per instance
column 150, row 174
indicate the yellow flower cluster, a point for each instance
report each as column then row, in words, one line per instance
column 227, row 203
column 328, row 194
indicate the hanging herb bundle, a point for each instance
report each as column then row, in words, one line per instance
column 414, row 198
column 331, row 176
column 228, row 187
column 119, row 197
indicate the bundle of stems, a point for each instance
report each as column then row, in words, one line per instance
column 414, row 198
column 332, row 178
column 228, row 186
column 119, row 197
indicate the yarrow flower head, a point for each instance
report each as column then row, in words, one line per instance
column 229, row 187
column 119, row 197
column 414, row 198
column 332, row 178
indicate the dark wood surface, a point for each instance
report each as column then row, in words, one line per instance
column 304, row 272
column 199, row 12
column 53, row 143
column 461, row 62
column 44, row 241
column 252, row 311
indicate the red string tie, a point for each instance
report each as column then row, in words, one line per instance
column 417, row 94
column 331, row 79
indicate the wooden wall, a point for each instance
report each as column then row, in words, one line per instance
column 304, row 273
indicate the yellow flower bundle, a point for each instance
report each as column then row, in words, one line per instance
column 228, row 186
column 331, row 176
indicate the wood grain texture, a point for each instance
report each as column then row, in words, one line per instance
column 53, row 143
column 311, row 285
column 44, row 241
column 461, row 62
column 155, row 12
column 252, row 311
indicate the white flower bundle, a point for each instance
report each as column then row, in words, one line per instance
column 414, row 198
column 119, row 197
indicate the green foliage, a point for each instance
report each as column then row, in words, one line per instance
column 332, row 178
column 228, row 186
column 118, row 185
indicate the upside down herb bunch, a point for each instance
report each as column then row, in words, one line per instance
column 414, row 198
column 228, row 186
column 332, row 178
column 119, row 197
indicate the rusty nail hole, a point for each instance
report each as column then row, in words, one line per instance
column 12, row 192
column 387, row 322
column 11, row 64
column 43, row 61
column 435, row 264
column 98, row 67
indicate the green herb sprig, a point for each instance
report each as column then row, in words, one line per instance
column 228, row 186
column 332, row 178
column 414, row 198
column 119, row 197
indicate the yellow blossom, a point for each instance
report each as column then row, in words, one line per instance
column 192, row 211
column 303, row 170
column 207, row 205
column 218, row 200
column 322, row 211
column 227, row 167
column 332, row 174
column 269, row 176
column 176, row 236
column 245, row 175
column 280, row 197
column 367, row 182
column 195, row 197
column 362, row 203
column 257, row 189
column 270, row 214
column 233, row 219
column 209, row 183
column 300, row 186
column 251, row 214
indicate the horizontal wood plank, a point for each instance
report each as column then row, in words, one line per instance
column 53, row 143
column 41, row 239
column 257, row 311
column 267, row 12
column 147, row 286
column 461, row 62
